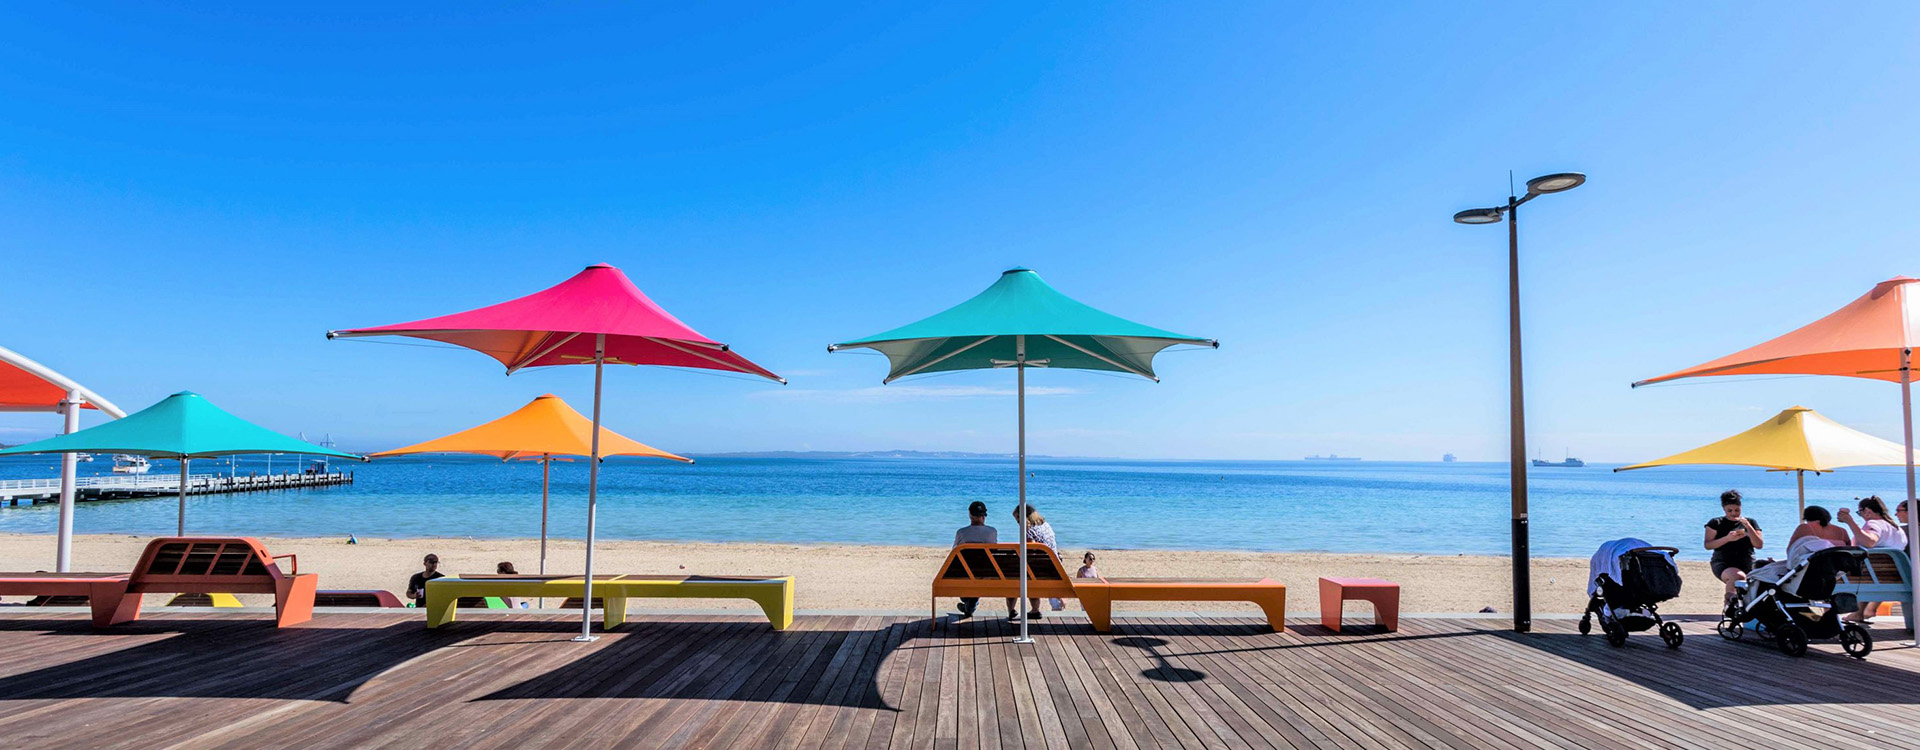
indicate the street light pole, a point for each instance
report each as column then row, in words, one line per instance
column 1517, row 431
column 1516, row 408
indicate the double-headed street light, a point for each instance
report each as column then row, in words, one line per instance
column 1538, row 186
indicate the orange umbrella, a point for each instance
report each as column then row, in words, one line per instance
column 543, row 430
column 1872, row 337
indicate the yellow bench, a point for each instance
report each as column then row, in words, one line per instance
column 774, row 595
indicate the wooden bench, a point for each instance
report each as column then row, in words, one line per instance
column 992, row 570
column 357, row 598
column 181, row 565
column 1385, row 595
column 1886, row 580
column 774, row 595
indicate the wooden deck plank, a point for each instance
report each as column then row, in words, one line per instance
column 379, row 679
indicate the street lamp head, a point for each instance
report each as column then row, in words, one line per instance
column 1478, row 216
column 1555, row 183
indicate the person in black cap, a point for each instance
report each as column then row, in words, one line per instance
column 417, row 585
column 977, row 532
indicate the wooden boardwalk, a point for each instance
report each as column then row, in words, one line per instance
column 191, row 679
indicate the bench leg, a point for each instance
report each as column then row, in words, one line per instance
column 1331, row 599
column 614, row 613
column 778, row 605
column 112, row 604
column 440, row 606
column 1275, row 608
column 1386, row 608
column 293, row 599
column 1099, row 606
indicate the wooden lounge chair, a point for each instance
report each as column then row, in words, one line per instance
column 181, row 565
column 1886, row 580
column 992, row 571
column 774, row 595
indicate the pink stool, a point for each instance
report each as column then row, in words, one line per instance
column 1385, row 596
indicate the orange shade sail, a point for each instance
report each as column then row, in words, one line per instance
column 546, row 426
column 26, row 385
column 1862, row 340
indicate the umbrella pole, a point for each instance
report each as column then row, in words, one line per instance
column 1913, row 509
column 1020, row 376
column 69, row 477
column 182, row 527
column 546, row 477
column 593, row 488
column 1801, row 475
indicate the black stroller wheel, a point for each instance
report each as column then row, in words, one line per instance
column 1730, row 630
column 1586, row 624
column 1670, row 632
column 1856, row 640
column 1616, row 633
column 1792, row 641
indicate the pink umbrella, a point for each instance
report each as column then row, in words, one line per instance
column 597, row 317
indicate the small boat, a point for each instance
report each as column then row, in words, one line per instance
column 1333, row 457
column 83, row 457
column 125, row 464
column 1569, row 463
column 1448, row 458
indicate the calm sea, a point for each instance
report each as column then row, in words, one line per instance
column 1363, row 506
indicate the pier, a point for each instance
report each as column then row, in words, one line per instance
column 14, row 491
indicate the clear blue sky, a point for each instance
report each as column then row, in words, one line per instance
column 190, row 197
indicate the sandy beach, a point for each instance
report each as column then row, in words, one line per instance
column 879, row 578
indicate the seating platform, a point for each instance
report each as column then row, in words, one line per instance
column 1385, row 596
column 992, row 571
column 774, row 595
column 181, row 565
column 1888, row 573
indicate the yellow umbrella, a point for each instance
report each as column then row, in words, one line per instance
column 1797, row 440
column 540, row 431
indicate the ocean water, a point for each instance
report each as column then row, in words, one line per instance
column 1362, row 506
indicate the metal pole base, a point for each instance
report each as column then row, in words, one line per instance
column 585, row 638
column 1023, row 640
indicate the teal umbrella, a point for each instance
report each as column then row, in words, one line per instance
column 1021, row 322
column 183, row 426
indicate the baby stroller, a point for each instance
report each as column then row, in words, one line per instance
column 1628, row 580
column 1778, row 600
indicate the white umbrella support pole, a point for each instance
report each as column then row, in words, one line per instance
column 181, row 527
column 1800, row 475
column 593, row 488
column 546, row 477
column 1913, row 508
column 69, row 477
column 1020, row 376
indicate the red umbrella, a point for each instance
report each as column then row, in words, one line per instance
column 597, row 317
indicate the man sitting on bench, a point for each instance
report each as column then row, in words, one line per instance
column 977, row 532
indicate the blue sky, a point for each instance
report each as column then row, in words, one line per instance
column 191, row 197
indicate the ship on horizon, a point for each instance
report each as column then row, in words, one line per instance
column 1333, row 457
column 1448, row 458
column 1568, row 463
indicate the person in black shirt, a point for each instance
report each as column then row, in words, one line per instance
column 417, row 585
column 1733, row 537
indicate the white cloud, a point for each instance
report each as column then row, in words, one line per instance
column 894, row 393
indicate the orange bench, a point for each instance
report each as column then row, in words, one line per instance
column 992, row 571
column 181, row 565
column 1385, row 596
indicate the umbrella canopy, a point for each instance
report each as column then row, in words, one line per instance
column 1797, row 439
column 1865, row 339
column 983, row 333
column 546, row 427
column 597, row 317
column 558, row 326
column 1020, row 322
column 183, row 426
column 26, row 385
